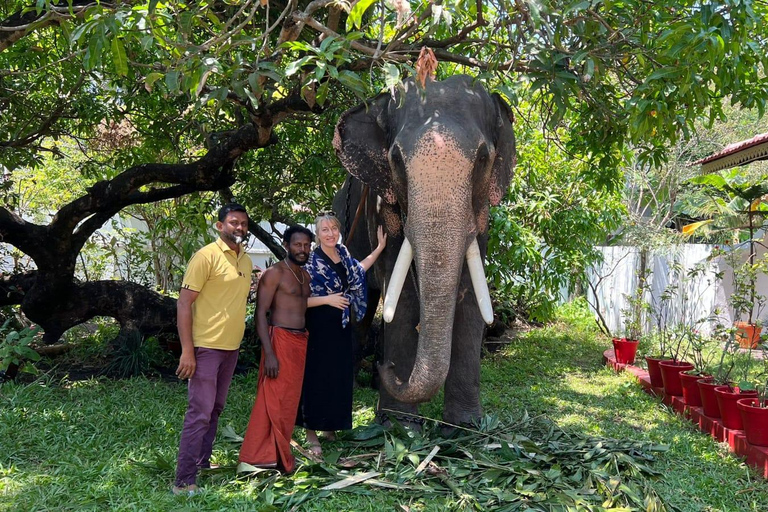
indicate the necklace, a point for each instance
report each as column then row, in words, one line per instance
column 294, row 273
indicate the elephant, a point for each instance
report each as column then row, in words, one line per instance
column 434, row 159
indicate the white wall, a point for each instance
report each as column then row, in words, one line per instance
column 693, row 300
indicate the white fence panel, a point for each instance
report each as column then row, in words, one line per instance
column 700, row 297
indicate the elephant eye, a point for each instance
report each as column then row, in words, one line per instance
column 482, row 153
column 396, row 160
column 481, row 158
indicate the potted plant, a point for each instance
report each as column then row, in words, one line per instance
column 754, row 410
column 671, row 368
column 747, row 304
column 15, row 352
column 624, row 347
column 740, row 204
column 661, row 312
column 720, row 372
column 728, row 394
column 689, row 379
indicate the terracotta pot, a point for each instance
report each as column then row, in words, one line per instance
column 654, row 372
column 726, row 400
column 624, row 350
column 755, row 420
column 691, row 394
column 747, row 335
column 708, row 398
column 670, row 375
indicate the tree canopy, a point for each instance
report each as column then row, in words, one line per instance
column 165, row 99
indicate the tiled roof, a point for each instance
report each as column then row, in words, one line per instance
column 738, row 153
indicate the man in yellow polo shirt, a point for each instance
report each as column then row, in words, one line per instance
column 211, row 321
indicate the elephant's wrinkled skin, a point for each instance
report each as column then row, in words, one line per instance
column 434, row 161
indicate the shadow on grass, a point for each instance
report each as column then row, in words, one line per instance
column 69, row 446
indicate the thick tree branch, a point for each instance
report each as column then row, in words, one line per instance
column 22, row 23
column 134, row 306
column 211, row 172
column 23, row 235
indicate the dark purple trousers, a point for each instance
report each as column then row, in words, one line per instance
column 208, row 390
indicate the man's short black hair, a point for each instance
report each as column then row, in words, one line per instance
column 230, row 207
column 288, row 233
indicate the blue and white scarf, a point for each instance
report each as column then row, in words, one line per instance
column 325, row 281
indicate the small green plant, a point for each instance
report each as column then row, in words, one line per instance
column 700, row 351
column 637, row 309
column 15, row 352
column 721, row 371
column 745, row 300
column 761, row 381
column 131, row 357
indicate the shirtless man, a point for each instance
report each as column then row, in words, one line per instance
column 283, row 292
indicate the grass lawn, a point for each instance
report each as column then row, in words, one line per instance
column 111, row 445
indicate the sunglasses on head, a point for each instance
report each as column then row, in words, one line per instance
column 327, row 213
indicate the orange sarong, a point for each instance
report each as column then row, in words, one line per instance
column 267, row 440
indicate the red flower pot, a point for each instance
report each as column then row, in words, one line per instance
column 624, row 350
column 755, row 420
column 726, row 399
column 691, row 394
column 670, row 375
column 708, row 398
column 654, row 372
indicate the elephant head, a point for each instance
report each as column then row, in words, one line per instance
column 437, row 156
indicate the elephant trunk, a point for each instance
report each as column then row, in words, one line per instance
column 439, row 264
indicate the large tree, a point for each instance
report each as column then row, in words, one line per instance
column 170, row 98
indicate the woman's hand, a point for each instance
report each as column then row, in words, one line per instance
column 337, row 300
column 381, row 236
column 371, row 259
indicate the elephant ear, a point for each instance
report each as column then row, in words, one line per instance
column 506, row 155
column 360, row 141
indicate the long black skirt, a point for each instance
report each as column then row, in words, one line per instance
column 326, row 396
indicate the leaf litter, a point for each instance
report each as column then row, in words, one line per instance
column 513, row 465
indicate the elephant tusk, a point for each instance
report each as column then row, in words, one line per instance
column 479, row 283
column 396, row 281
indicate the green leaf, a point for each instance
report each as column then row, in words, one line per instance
column 662, row 73
column 322, row 93
column 577, row 6
column 172, row 81
column 119, row 57
column 355, row 18
column 353, row 82
column 391, row 75
column 269, row 70
column 151, row 79
column 295, row 66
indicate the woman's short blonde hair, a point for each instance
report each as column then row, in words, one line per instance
column 325, row 216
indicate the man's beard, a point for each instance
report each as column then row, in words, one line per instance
column 292, row 257
column 236, row 239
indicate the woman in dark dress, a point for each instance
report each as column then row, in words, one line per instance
column 337, row 286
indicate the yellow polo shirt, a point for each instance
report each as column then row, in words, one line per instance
column 223, row 279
